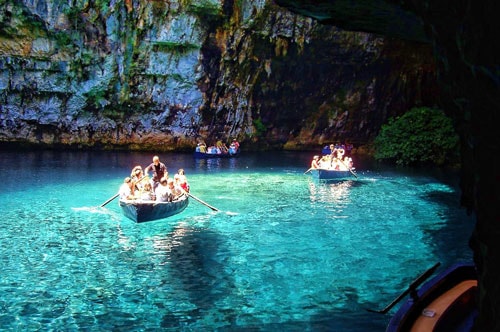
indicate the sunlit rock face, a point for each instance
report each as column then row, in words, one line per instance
column 156, row 75
column 465, row 41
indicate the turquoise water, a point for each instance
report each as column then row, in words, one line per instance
column 284, row 253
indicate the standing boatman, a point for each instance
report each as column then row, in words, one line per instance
column 159, row 171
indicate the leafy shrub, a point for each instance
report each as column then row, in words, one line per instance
column 421, row 136
column 260, row 128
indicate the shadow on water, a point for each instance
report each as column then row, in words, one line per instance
column 191, row 254
column 450, row 216
column 453, row 223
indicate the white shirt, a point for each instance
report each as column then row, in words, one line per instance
column 125, row 191
column 162, row 193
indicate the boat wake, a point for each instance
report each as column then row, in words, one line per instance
column 91, row 209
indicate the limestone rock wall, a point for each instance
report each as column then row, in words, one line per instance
column 159, row 75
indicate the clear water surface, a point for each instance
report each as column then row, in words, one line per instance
column 283, row 254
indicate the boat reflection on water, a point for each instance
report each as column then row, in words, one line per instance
column 166, row 243
column 333, row 192
column 212, row 164
column 208, row 163
column 132, row 236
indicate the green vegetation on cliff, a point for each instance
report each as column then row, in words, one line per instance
column 421, row 136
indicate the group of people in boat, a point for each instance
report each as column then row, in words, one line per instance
column 336, row 160
column 327, row 149
column 219, row 147
column 160, row 187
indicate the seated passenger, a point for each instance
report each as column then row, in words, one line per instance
column 315, row 162
column 203, row 147
column 348, row 162
column 147, row 192
column 175, row 191
column 127, row 189
column 335, row 164
column 221, row 147
column 233, row 147
column 182, row 179
column 162, row 192
column 340, row 153
column 137, row 177
column 324, row 162
column 342, row 166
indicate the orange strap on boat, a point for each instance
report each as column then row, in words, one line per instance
column 434, row 312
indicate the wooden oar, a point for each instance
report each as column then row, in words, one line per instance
column 308, row 170
column 202, row 202
column 411, row 289
column 350, row 169
column 115, row 196
column 109, row 200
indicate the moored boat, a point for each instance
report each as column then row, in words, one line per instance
column 447, row 302
column 331, row 174
column 142, row 211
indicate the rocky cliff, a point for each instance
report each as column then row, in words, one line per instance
column 159, row 75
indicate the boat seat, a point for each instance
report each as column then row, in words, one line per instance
column 451, row 307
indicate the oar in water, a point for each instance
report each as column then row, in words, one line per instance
column 350, row 169
column 411, row 289
column 115, row 196
column 202, row 202
column 308, row 170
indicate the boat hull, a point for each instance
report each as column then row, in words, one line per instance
column 331, row 175
column 445, row 303
column 142, row 211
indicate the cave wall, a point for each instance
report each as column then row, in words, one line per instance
column 464, row 39
column 154, row 75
